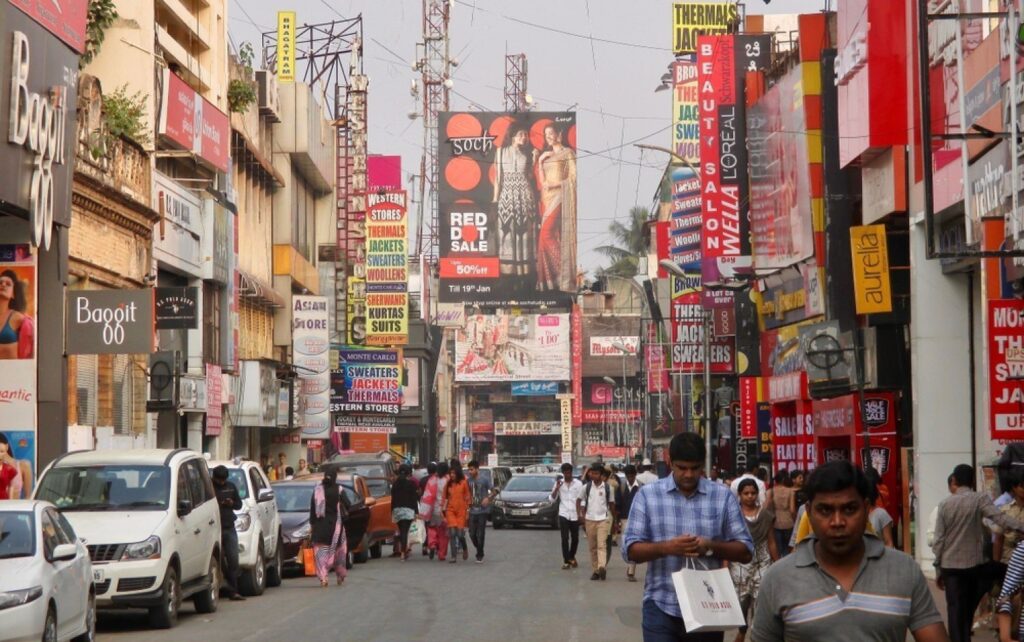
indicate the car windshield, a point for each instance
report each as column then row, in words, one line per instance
column 526, row 483
column 374, row 474
column 237, row 477
column 17, row 535
column 293, row 499
column 104, row 488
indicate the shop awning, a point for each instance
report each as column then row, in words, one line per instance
column 258, row 290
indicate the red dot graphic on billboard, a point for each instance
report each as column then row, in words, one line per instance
column 537, row 132
column 570, row 137
column 499, row 128
column 470, row 233
column 462, row 173
column 464, row 126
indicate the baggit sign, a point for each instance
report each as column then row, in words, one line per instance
column 110, row 322
column 1006, row 369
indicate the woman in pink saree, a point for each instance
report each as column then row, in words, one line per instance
column 556, row 240
column 327, row 511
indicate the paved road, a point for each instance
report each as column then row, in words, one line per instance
column 520, row 593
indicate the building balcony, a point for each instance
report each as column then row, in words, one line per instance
column 180, row 18
column 189, row 68
column 116, row 163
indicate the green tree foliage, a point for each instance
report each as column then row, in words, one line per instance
column 629, row 243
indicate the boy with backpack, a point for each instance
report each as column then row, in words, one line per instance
column 595, row 505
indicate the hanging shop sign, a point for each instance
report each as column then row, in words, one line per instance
column 688, row 327
column 1006, row 369
column 988, row 189
column 503, row 347
column 750, row 395
column 177, row 238
column 565, row 406
column 193, row 123
column 614, row 346
column 693, row 19
column 685, row 112
column 176, row 308
column 110, row 322
column 365, row 424
column 367, row 381
column 526, row 428
column 534, row 388
column 576, row 350
column 311, row 354
column 871, row 283
column 214, row 400
column 387, row 269
column 286, row 46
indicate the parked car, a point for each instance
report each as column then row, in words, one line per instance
column 259, row 527
column 150, row 521
column 497, row 475
column 526, row 499
column 378, row 470
column 46, row 589
column 536, row 469
column 293, row 497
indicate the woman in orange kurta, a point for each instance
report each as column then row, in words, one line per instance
column 456, row 510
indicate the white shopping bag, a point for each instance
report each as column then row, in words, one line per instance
column 707, row 599
column 417, row 533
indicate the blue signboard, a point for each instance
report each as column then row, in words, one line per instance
column 534, row 388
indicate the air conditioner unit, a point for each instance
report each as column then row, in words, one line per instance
column 269, row 97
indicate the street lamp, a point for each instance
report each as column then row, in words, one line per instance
column 623, row 351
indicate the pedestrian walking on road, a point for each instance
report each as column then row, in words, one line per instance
column 433, row 513
column 303, row 468
column 682, row 515
column 761, row 524
column 482, row 491
column 959, row 548
column 431, row 475
column 596, row 508
column 567, row 491
column 842, row 583
column 780, row 498
column 647, row 474
column 456, row 510
column 228, row 500
column 623, row 503
column 327, row 511
column 404, row 504
column 610, row 479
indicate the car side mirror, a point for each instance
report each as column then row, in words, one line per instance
column 265, row 495
column 369, row 501
column 184, row 507
column 63, row 553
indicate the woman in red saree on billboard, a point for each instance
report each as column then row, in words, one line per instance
column 517, row 205
column 556, row 240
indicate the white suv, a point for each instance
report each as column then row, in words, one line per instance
column 151, row 523
column 258, row 526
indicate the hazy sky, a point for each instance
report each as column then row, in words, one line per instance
column 604, row 57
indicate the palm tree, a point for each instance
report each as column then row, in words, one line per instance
column 630, row 241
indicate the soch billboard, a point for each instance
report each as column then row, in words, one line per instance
column 507, row 207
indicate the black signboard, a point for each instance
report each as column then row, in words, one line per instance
column 177, row 309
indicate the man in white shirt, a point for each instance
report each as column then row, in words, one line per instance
column 647, row 474
column 596, row 505
column 750, row 474
column 568, row 490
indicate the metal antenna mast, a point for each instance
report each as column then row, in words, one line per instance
column 515, row 83
column 330, row 59
column 433, row 61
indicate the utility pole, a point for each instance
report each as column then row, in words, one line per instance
column 516, row 98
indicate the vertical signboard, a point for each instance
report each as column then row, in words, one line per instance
column 387, row 269
column 507, row 218
column 688, row 329
column 1006, row 369
column 871, row 285
column 286, row 46
column 566, row 427
column 685, row 111
column 214, row 400
column 690, row 20
column 750, row 388
column 310, row 352
column 576, row 330
column 687, row 223
column 18, row 292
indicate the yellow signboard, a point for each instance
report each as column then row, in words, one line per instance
column 286, row 46
column 692, row 19
column 871, row 283
column 387, row 318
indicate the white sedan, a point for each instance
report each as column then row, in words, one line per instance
column 46, row 589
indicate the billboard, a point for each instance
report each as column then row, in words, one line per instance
column 18, row 393
column 693, row 19
column 387, row 269
column 310, row 346
column 286, row 46
column 501, row 347
column 366, row 381
column 507, row 207
column 685, row 111
column 1006, row 369
column 688, row 329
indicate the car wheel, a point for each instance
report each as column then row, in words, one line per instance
column 165, row 616
column 363, row 556
column 348, row 561
column 254, row 580
column 206, row 601
column 50, row 626
column 90, row 621
column 376, row 551
column 274, row 570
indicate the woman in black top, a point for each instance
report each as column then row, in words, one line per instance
column 404, row 504
column 326, row 511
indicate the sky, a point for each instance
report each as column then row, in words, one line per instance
column 601, row 57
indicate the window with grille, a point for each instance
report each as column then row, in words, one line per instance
column 122, row 394
column 211, row 324
column 86, row 368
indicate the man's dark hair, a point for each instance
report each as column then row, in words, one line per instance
column 964, row 475
column 761, row 474
column 442, row 469
column 606, row 473
column 220, row 472
column 566, row 467
column 288, row 470
column 753, row 467
column 687, row 446
column 782, row 478
column 473, row 464
column 744, row 483
column 598, row 467
column 834, row 477
column 630, row 469
column 1016, row 476
column 431, row 468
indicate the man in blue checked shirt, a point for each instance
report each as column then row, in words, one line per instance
column 682, row 515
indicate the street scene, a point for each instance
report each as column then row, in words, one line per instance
column 465, row 319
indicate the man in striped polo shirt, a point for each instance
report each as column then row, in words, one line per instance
column 841, row 584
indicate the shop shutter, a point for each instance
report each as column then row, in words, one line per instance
column 86, row 367
column 122, row 398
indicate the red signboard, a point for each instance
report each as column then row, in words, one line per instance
column 662, row 231
column 607, row 452
column 591, row 416
column 193, row 123
column 1006, row 369
column 688, row 339
column 576, row 328
column 178, row 116
column 748, row 407
column 788, row 387
column 65, row 19
column 384, row 172
column 657, row 373
column 792, row 438
column 837, row 417
column 214, row 400
column 214, row 136
column 481, row 428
